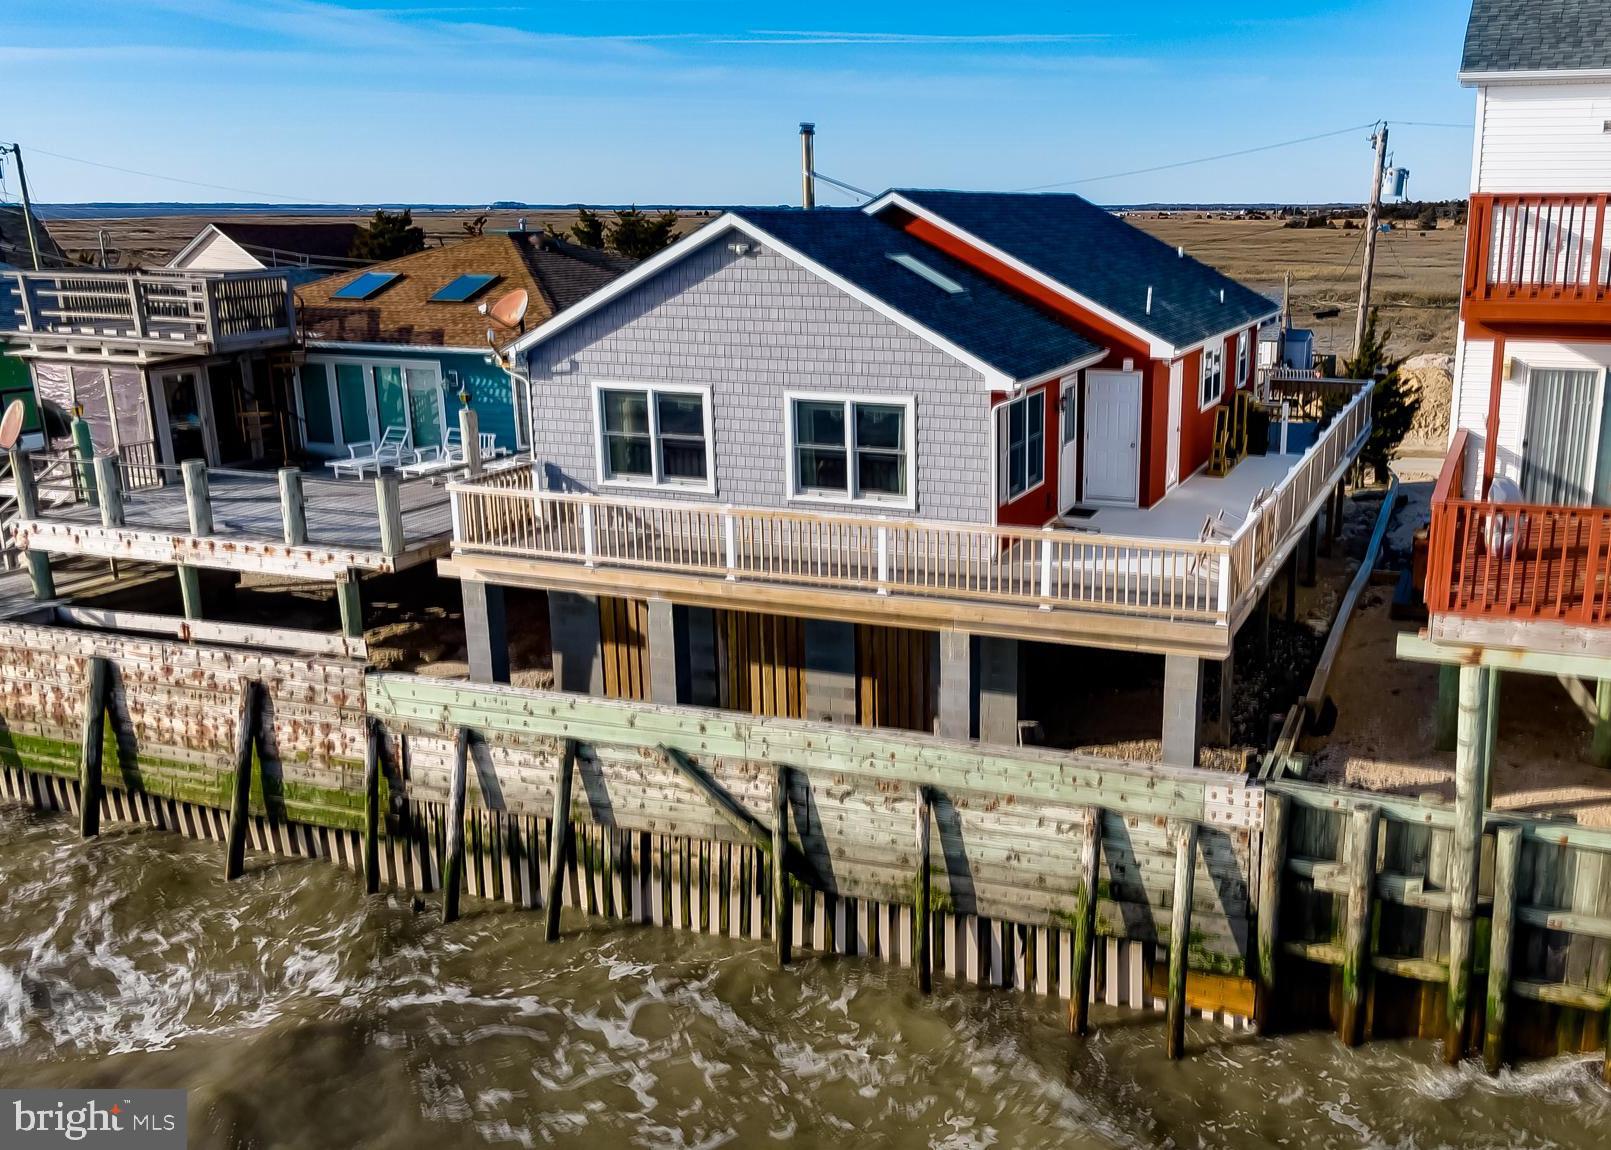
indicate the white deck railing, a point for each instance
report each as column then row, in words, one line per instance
column 1050, row 568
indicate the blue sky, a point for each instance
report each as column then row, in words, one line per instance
column 697, row 102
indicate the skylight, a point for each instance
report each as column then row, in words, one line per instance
column 917, row 267
column 365, row 285
column 464, row 288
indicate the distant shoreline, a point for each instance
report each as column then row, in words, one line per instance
column 155, row 209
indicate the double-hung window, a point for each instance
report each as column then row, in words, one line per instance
column 1242, row 347
column 1212, row 388
column 654, row 435
column 1024, row 443
column 857, row 450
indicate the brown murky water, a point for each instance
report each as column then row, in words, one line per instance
column 300, row 1013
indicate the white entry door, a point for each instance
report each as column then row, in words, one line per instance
column 1068, row 461
column 1113, row 437
column 1177, row 384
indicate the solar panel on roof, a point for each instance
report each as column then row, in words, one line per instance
column 464, row 288
column 365, row 285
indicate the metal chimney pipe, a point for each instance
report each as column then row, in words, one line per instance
column 808, row 165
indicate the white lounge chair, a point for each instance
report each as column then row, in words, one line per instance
column 392, row 451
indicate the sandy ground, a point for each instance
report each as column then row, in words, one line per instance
column 1386, row 707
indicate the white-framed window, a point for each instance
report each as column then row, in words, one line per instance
column 850, row 449
column 1023, row 444
column 1242, row 349
column 655, row 435
column 1212, row 387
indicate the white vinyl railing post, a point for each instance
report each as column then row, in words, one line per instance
column 1046, row 570
column 1286, row 420
column 730, row 542
column 883, row 560
column 1225, row 564
column 587, row 535
column 453, row 514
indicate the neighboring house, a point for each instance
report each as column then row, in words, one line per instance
column 835, row 464
column 395, row 344
column 164, row 366
column 1519, row 572
column 302, row 250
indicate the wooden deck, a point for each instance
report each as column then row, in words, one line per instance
column 1165, row 589
column 343, row 520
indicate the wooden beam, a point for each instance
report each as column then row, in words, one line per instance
column 1507, row 861
column 92, row 745
column 559, row 835
column 1470, row 788
column 1180, row 937
column 251, row 703
column 1356, row 925
column 1079, row 991
column 1272, row 868
column 1315, row 699
column 372, row 741
column 1422, row 648
column 922, row 929
column 782, row 899
column 453, row 864
column 735, row 816
column 207, row 631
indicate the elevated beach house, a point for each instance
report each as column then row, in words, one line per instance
column 1519, row 570
column 841, row 463
column 393, row 346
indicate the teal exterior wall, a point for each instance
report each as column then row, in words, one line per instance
column 491, row 391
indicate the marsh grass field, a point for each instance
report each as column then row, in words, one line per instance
column 1417, row 273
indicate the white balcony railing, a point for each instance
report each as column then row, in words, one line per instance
column 162, row 312
column 1206, row 581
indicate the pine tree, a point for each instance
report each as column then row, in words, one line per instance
column 588, row 230
column 387, row 236
column 1393, row 404
column 637, row 235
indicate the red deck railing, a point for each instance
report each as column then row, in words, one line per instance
column 1520, row 561
column 1538, row 252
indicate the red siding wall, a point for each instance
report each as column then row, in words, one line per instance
column 1197, row 427
column 1038, row 506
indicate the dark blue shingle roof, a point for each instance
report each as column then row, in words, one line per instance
column 986, row 320
column 1092, row 252
column 1538, row 36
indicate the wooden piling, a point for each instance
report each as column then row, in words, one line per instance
column 1356, row 924
column 922, row 931
column 1272, row 868
column 389, row 505
column 782, row 916
column 198, row 497
column 1507, row 861
column 1185, row 836
column 453, row 864
column 1079, row 989
column 94, row 738
column 293, row 508
column 1600, row 749
column 251, row 703
column 27, row 492
column 1464, row 855
column 559, row 842
column 372, row 807
column 108, row 481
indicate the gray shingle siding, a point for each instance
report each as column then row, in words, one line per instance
column 1538, row 36
column 752, row 328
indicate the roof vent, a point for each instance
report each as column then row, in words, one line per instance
column 1181, row 251
column 1149, row 299
column 1221, row 295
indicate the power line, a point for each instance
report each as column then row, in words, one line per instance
column 180, row 179
column 1201, row 159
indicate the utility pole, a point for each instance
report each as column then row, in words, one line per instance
column 1373, row 220
column 27, row 208
column 808, row 165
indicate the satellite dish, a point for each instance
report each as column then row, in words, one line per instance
column 509, row 309
column 11, row 425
